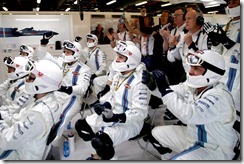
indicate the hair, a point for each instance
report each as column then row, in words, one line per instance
column 183, row 9
column 110, row 30
column 199, row 17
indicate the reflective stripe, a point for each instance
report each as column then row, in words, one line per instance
column 202, row 135
column 232, row 74
column 67, row 108
column 75, row 77
column 96, row 59
column 5, row 154
column 125, row 94
column 193, row 148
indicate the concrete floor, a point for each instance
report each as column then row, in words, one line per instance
column 128, row 150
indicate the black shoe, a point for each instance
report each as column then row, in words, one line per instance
column 169, row 116
column 180, row 123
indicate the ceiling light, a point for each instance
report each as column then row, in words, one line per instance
column 5, row 8
column 75, row 2
column 67, row 9
column 167, row 4
column 36, row 20
column 141, row 3
column 111, row 2
column 38, row 1
column 212, row 12
column 212, row 5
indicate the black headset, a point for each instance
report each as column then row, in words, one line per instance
column 200, row 19
column 151, row 20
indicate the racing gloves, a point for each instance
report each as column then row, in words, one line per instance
column 66, row 89
column 104, row 91
column 218, row 35
column 46, row 37
column 148, row 80
column 157, row 77
column 107, row 113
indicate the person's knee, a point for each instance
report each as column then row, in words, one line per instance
column 156, row 144
column 84, row 130
column 103, row 145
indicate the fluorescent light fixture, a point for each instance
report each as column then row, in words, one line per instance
column 141, row 3
column 167, row 4
column 111, row 2
column 75, row 2
column 5, row 8
column 38, row 8
column 38, row 1
column 212, row 5
column 213, row 12
column 67, row 9
column 37, row 20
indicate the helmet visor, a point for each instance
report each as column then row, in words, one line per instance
column 68, row 45
column 24, row 48
column 121, row 48
column 29, row 66
column 193, row 60
column 8, row 61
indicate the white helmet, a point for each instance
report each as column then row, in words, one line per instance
column 94, row 38
column 213, row 63
column 18, row 63
column 48, row 77
column 27, row 49
column 132, row 53
column 75, row 47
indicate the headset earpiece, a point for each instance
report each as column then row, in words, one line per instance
column 200, row 20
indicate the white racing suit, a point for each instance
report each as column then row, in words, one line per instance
column 14, row 97
column 232, row 62
column 131, row 98
column 78, row 76
column 96, row 60
column 181, row 49
column 24, row 136
column 101, row 81
column 209, row 116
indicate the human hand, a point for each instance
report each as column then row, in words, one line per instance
column 148, row 80
column 66, row 89
column 46, row 36
column 99, row 108
column 162, row 82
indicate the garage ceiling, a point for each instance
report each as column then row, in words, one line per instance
column 152, row 6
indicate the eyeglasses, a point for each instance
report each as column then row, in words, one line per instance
column 23, row 48
column 68, row 44
column 176, row 15
column 193, row 60
column 8, row 60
